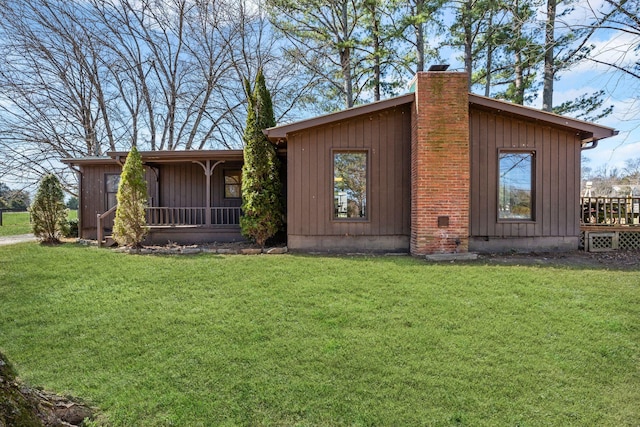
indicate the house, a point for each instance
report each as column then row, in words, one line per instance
column 434, row 171
column 193, row 196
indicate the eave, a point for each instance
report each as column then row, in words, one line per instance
column 278, row 134
column 588, row 132
column 119, row 157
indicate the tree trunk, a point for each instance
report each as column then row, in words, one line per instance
column 345, row 59
column 549, row 68
column 419, row 30
column 468, row 42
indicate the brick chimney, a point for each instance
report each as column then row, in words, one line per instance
column 440, row 168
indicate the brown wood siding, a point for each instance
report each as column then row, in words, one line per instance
column 93, row 197
column 557, row 176
column 181, row 184
column 168, row 185
column 386, row 137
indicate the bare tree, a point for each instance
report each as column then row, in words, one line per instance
column 84, row 77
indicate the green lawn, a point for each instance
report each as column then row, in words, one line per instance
column 16, row 223
column 322, row 341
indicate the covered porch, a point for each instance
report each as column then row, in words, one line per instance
column 193, row 196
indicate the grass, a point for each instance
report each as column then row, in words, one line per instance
column 16, row 223
column 322, row 341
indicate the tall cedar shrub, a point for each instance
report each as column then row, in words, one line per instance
column 130, row 225
column 262, row 210
column 48, row 211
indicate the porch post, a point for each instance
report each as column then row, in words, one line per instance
column 207, row 211
column 208, row 172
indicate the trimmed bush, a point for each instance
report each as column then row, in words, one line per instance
column 130, row 224
column 48, row 211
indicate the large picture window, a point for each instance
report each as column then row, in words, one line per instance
column 350, row 185
column 515, row 185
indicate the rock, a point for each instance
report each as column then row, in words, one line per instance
column 251, row 251
column 226, row 251
column 277, row 250
column 188, row 251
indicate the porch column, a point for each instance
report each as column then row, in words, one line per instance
column 208, row 172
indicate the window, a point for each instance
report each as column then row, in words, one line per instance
column 350, row 185
column 232, row 184
column 515, row 185
column 111, row 181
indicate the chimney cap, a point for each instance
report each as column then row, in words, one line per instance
column 438, row 67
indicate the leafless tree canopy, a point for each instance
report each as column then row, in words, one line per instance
column 81, row 78
column 84, row 77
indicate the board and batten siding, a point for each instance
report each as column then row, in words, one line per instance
column 93, row 196
column 556, row 185
column 386, row 137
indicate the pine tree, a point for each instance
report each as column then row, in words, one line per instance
column 130, row 225
column 48, row 212
column 261, row 186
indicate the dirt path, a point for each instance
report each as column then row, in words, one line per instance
column 614, row 260
column 21, row 238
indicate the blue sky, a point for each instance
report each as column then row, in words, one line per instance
column 623, row 92
column 589, row 77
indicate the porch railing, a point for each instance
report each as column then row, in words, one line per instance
column 101, row 218
column 160, row 216
column 177, row 216
column 614, row 211
column 180, row 216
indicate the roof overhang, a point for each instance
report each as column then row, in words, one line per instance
column 278, row 134
column 588, row 132
column 156, row 157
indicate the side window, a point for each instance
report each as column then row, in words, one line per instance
column 515, row 185
column 350, row 185
column 111, row 181
column 232, row 184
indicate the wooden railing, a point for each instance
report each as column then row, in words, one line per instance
column 100, row 223
column 160, row 216
column 614, row 211
column 225, row 216
column 180, row 216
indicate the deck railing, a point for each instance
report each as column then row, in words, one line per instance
column 613, row 211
